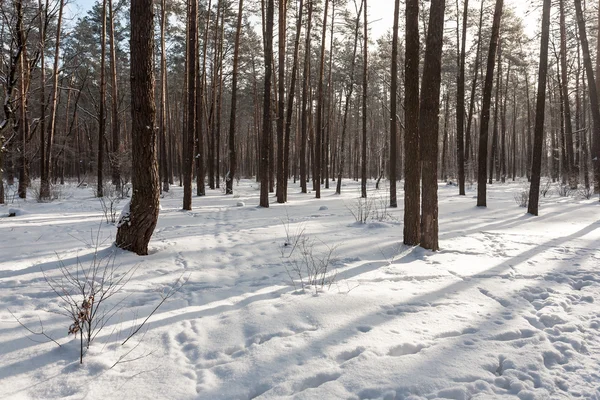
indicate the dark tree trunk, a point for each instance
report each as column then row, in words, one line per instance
column 593, row 95
column 571, row 166
column 363, row 174
column 349, row 91
column 394, row 108
column 292, row 91
column 460, row 103
column 116, row 127
column 485, row 112
column 320, row 128
column 412, row 162
column 190, row 135
column 429, row 124
column 280, row 169
column 266, row 132
column 305, row 94
column 135, row 231
column 536, row 169
column 102, row 101
column 232, row 119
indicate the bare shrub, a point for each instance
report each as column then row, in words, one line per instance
column 91, row 295
column 546, row 188
column 308, row 267
column 361, row 209
column 585, row 193
column 522, row 198
column 55, row 192
column 564, row 190
column 370, row 209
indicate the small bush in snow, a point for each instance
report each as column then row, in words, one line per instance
column 109, row 204
column 55, row 192
column 522, row 198
column 585, row 193
column 370, row 209
column 545, row 189
column 361, row 209
column 91, row 295
column 564, row 190
column 309, row 267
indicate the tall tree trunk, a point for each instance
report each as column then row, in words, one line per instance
column 494, row 155
column 536, row 169
column 200, row 112
column 460, row 102
column 102, row 101
column 429, row 124
column 363, row 169
column 164, row 160
column 468, row 148
column 412, row 163
column 394, row 108
column 281, row 173
column 593, row 95
column 571, row 166
column 190, row 136
column 320, row 128
column 234, row 78
column 264, row 153
column 45, row 184
column 116, row 127
column 485, row 112
column 305, row 104
column 291, row 93
column 23, row 124
column 136, row 227
column 349, row 92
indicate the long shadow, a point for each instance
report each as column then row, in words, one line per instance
column 343, row 333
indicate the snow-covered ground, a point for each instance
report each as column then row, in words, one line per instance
column 509, row 308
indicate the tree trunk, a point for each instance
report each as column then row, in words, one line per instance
column 102, row 101
column 363, row 174
column 412, row 163
column 429, row 124
column 536, row 169
column 320, row 128
column 136, row 228
column 593, row 95
column 116, row 127
column 190, row 135
column 485, row 112
column 349, row 92
column 234, row 78
column 265, row 142
column 290, row 105
column 394, row 108
column 460, row 103
column 305, row 94
column 45, row 181
column 281, row 173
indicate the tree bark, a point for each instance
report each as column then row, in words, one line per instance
column 232, row 118
column 485, row 112
column 363, row 169
column 265, row 145
column 536, row 168
column 135, row 230
column 412, row 163
column 593, row 95
column 429, row 124
column 394, row 108
column 460, row 103
column 190, row 136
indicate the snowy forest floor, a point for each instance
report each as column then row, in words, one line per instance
column 509, row 308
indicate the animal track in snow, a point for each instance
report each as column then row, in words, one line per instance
column 405, row 349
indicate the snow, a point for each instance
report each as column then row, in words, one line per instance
column 508, row 309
